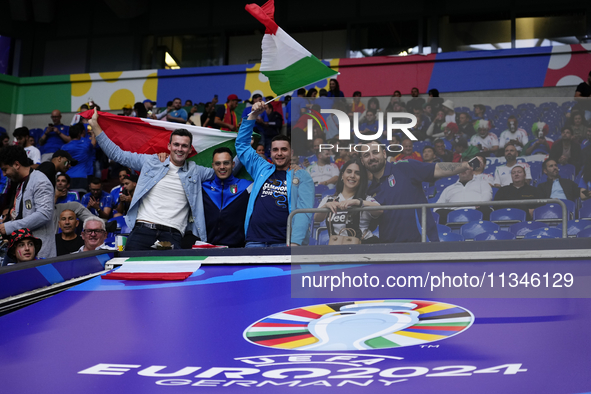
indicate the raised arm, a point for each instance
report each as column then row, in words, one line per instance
column 450, row 169
column 248, row 156
column 135, row 161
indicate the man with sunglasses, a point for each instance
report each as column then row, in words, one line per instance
column 61, row 161
column 225, row 200
column 94, row 234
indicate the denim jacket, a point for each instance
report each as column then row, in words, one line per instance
column 152, row 171
column 300, row 186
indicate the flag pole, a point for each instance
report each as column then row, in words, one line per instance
column 267, row 103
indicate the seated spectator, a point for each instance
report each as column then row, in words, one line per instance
column 415, row 101
column 503, row 173
column 555, row 186
column 312, row 93
column 566, row 150
column 429, row 155
column 460, row 147
column 542, row 144
column 23, row 246
column 117, row 190
column 519, row 189
column 465, row 125
column 450, row 133
column 434, row 131
column 443, row 154
column 408, row 152
column 351, row 191
column 60, row 162
column 21, row 135
column 208, row 115
column 484, row 140
column 467, row 188
column 324, row 172
column 584, row 145
column 578, row 126
column 82, row 151
column 178, row 113
column 434, row 100
column 63, row 194
column 585, row 181
column 140, row 111
column 127, row 110
column 370, row 125
column 129, row 185
column 97, row 200
column 374, row 105
column 357, row 105
column 423, row 123
column 513, row 135
column 68, row 241
column 450, row 114
column 479, row 113
column 188, row 103
column 94, row 234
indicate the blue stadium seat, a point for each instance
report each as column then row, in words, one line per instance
column 544, row 232
column 521, row 229
column 585, row 211
column 441, row 228
column 567, row 171
column 462, row 216
column 435, row 217
column 507, row 216
column 549, row 213
column 122, row 227
column 494, row 235
column 570, row 208
column 586, row 233
column 574, row 227
column 450, row 237
column 472, row 229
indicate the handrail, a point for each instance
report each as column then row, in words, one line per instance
column 424, row 207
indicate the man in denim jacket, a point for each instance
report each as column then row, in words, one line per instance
column 276, row 192
column 167, row 198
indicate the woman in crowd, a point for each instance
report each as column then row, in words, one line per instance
column 351, row 191
column 334, row 89
column 23, row 246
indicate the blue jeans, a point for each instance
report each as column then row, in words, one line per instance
column 142, row 238
column 262, row 245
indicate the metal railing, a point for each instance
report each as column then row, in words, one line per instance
column 424, row 207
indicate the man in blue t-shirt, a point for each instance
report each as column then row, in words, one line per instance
column 63, row 194
column 82, row 150
column 400, row 183
column 178, row 114
column 54, row 136
column 97, row 201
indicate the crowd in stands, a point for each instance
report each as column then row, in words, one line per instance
column 53, row 179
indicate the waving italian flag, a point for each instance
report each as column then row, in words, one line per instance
column 287, row 64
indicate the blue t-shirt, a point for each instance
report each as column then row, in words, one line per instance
column 179, row 113
column 105, row 201
column 83, row 151
column 115, row 192
column 54, row 142
column 402, row 183
column 268, row 222
column 71, row 196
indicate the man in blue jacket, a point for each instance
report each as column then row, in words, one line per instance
column 167, row 198
column 225, row 200
column 276, row 192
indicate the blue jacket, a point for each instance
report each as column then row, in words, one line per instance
column 300, row 187
column 225, row 204
column 152, row 171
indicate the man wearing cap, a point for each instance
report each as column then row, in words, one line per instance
column 82, row 151
column 149, row 104
column 61, row 161
column 23, row 246
column 33, row 205
column 63, row 194
column 167, row 200
column 127, row 110
column 450, row 112
column 177, row 114
column 54, row 136
column 225, row 117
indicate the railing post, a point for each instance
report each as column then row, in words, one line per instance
column 423, row 224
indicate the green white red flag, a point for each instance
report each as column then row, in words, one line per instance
column 287, row 64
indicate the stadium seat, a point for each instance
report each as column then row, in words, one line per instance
column 122, row 227
column 507, row 216
column 585, row 212
column 570, row 208
column 521, row 229
column 544, row 232
column 494, row 235
column 435, row 217
column 457, row 218
column 472, row 229
column 549, row 213
column 567, row 171
column 586, row 233
column 441, row 228
column 575, row 226
column 450, row 237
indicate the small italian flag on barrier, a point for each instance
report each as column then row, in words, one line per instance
column 156, row 268
column 287, row 64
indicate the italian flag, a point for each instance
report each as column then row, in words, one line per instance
column 287, row 64
column 151, row 136
column 155, row 268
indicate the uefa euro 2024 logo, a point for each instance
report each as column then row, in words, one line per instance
column 360, row 325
